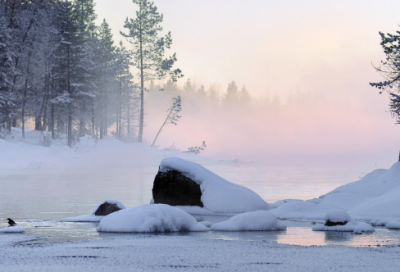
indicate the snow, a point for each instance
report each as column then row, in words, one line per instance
column 250, row 221
column 343, row 200
column 13, row 229
column 206, row 223
column 374, row 198
column 39, row 151
column 356, row 227
column 304, row 210
column 150, row 218
column 218, row 194
column 338, row 216
column 393, row 224
column 187, row 253
column 92, row 217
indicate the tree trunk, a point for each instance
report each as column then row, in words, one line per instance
column 141, row 117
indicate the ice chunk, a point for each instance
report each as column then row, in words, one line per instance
column 150, row 218
column 13, row 229
column 250, row 221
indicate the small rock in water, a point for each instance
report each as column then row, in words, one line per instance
column 11, row 222
column 106, row 208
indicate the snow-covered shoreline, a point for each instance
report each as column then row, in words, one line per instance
column 141, row 252
column 185, row 253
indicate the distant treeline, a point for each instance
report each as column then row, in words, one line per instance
column 62, row 71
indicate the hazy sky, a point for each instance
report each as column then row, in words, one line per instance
column 282, row 46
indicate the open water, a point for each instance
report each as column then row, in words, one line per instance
column 39, row 198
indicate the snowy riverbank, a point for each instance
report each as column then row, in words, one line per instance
column 37, row 150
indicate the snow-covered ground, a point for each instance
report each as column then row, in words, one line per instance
column 374, row 198
column 32, row 152
column 180, row 253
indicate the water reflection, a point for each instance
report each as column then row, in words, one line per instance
column 335, row 237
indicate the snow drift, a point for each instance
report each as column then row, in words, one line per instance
column 250, row 221
column 13, row 229
column 374, row 197
column 218, row 194
column 150, row 218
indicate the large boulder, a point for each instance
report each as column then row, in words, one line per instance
column 184, row 183
column 175, row 189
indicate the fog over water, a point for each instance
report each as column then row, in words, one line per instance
column 316, row 57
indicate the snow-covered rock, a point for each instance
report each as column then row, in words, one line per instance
column 356, row 227
column 250, row 221
column 337, row 217
column 217, row 194
column 175, row 189
column 13, row 229
column 150, row 218
column 104, row 208
column 393, row 224
column 339, row 220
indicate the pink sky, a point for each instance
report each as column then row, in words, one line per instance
column 324, row 47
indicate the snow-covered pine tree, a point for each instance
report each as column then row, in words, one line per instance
column 71, row 69
column 390, row 70
column 126, row 101
column 6, row 69
column 149, row 49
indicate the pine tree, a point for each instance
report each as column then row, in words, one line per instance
column 149, row 48
column 245, row 97
column 71, row 67
column 232, row 94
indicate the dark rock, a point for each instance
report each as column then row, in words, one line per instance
column 175, row 189
column 329, row 223
column 107, row 208
column 11, row 222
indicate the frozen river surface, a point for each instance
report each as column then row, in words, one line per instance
column 38, row 199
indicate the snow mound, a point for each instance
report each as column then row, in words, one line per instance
column 356, row 227
column 195, row 210
column 345, row 200
column 338, row 216
column 250, row 221
column 150, row 218
column 218, row 194
column 345, row 223
column 13, row 229
column 304, row 210
column 92, row 217
column 384, row 206
column 206, row 223
column 393, row 224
